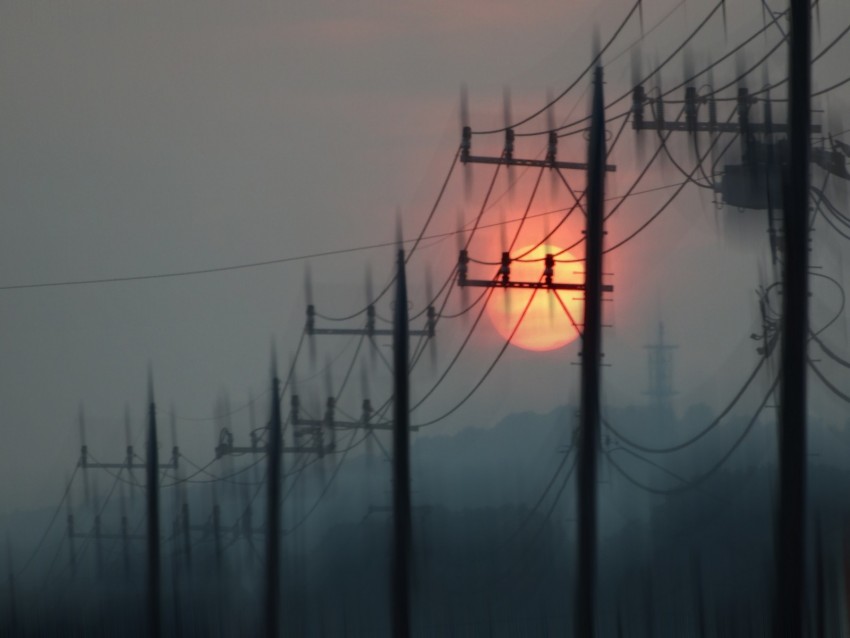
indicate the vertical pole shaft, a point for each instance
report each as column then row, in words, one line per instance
column 217, row 537
column 820, row 585
column 98, row 548
column 125, row 546
column 175, row 578
column 72, row 553
column 13, row 606
column 702, row 631
column 272, row 616
column 402, row 527
column 585, row 625
column 152, row 471
column 792, row 435
column 187, row 538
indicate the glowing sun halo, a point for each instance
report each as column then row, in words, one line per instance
column 545, row 325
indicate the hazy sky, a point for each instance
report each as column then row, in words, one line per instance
column 146, row 138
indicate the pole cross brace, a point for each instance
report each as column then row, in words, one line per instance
column 714, row 127
column 363, row 331
column 534, row 285
column 224, row 449
column 576, row 166
column 350, row 425
column 126, row 466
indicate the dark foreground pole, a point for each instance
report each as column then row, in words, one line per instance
column 272, row 616
column 152, row 472
column 401, row 461
column 591, row 353
column 792, row 419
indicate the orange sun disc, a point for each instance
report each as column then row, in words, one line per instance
column 548, row 323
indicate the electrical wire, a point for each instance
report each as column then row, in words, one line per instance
column 575, row 82
column 41, row 540
column 696, row 482
column 841, row 395
column 688, row 442
column 504, row 347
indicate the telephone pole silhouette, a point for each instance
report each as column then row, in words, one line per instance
column 790, row 556
column 402, row 525
column 154, row 567
column 591, row 355
column 272, row 617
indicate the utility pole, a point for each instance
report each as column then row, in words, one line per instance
column 275, row 445
column 591, row 355
column 13, row 606
column 152, row 475
column 402, row 526
column 72, row 553
column 790, row 554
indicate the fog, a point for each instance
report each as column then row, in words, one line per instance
column 179, row 181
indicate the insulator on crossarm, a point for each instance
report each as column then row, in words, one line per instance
column 462, row 267
column 552, row 149
column 509, row 144
column 465, row 144
column 638, row 101
column 431, row 323
column 549, row 269
column 505, row 268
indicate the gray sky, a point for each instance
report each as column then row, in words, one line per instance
column 145, row 138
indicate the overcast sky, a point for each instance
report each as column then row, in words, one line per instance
column 147, row 138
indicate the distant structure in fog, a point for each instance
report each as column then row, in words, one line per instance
column 659, row 362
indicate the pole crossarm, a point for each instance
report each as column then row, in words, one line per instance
column 504, row 280
column 532, row 163
column 507, row 157
column 534, row 285
column 363, row 331
column 127, row 466
column 349, row 425
column 713, row 127
column 224, row 449
column 370, row 330
column 692, row 124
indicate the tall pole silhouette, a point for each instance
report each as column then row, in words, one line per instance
column 792, row 420
column 585, row 626
column 152, row 472
column 13, row 607
column 272, row 616
column 402, row 531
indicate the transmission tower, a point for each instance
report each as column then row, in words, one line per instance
column 660, row 375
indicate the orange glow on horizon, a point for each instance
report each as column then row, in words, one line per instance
column 545, row 325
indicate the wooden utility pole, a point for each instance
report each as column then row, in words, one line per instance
column 790, row 557
column 275, row 444
column 152, row 472
column 402, row 526
column 591, row 354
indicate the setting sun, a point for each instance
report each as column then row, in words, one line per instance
column 546, row 325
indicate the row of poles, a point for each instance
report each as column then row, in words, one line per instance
column 790, row 546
